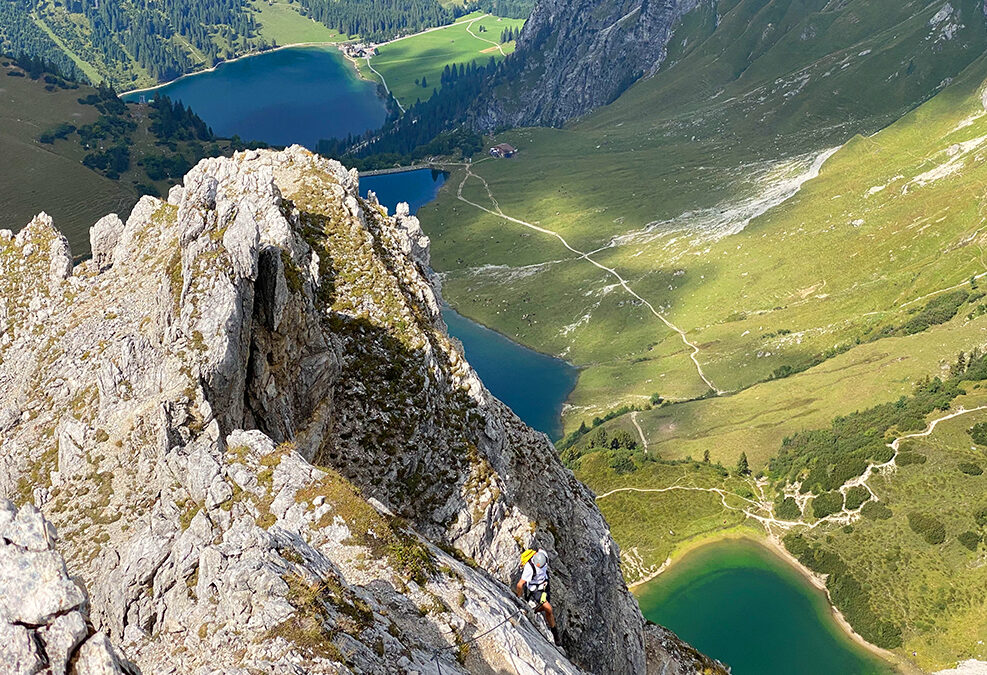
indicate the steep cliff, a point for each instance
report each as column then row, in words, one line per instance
column 262, row 449
column 574, row 56
column 862, row 58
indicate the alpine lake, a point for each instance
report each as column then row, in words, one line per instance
column 733, row 599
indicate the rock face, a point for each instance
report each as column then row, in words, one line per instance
column 576, row 55
column 263, row 451
column 43, row 626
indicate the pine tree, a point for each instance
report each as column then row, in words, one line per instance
column 742, row 466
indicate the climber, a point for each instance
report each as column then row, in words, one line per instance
column 534, row 587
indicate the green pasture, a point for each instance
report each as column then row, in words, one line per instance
column 423, row 56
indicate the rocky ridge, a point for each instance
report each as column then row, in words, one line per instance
column 263, row 451
column 43, row 622
column 574, row 56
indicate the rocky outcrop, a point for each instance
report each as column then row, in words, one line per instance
column 43, row 623
column 263, row 450
column 574, row 56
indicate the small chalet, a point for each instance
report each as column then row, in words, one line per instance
column 503, row 150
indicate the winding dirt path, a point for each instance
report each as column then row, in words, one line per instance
column 495, row 44
column 384, row 82
column 766, row 506
column 585, row 256
column 644, row 439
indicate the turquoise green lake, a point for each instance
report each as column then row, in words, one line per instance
column 740, row 603
column 292, row 95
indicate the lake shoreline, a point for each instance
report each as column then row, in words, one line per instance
column 211, row 69
column 775, row 546
column 446, row 307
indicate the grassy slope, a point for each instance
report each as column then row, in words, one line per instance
column 42, row 178
column 697, row 137
column 51, row 177
column 938, row 592
column 425, row 55
column 932, row 231
column 282, row 23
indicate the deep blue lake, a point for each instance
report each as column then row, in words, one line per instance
column 534, row 385
column 294, row 95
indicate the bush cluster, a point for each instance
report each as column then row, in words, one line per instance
column 787, row 509
column 930, row 529
column 856, row 496
column 970, row 539
column 978, row 432
column 876, row 511
column 970, row 469
column 827, row 503
column 908, row 457
column 846, row 592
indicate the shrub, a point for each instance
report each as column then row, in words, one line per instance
column 937, row 311
column 930, row 529
column 787, row 509
column 856, row 496
column 908, row 458
column 876, row 511
column 970, row 469
column 599, row 439
column 827, row 503
column 978, row 432
column 620, row 461
column 622, row 439
column 970, row 539
column 981, row 517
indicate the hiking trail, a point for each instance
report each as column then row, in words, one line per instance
column 585, row 256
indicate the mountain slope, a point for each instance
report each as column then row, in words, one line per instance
column 880, row 256
column 573, row 58
column 249, row 425
column 652, row 183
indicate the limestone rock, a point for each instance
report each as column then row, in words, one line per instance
column 18, row 651
column 28, row 530
column 61, row 638
column 272, row 445
column 97, row 657
column 103, row 238
column 42, row 620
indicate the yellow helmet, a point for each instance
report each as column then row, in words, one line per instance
column 527, row 555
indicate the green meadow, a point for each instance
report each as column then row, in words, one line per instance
column 82, row 196
column 280, row 21
column 685, row 196
column 408, row 62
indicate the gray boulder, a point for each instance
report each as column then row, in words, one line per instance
column 103, row 238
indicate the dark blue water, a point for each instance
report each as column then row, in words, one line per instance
column 534, row 385
column 417, row 187
column 293, row 95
